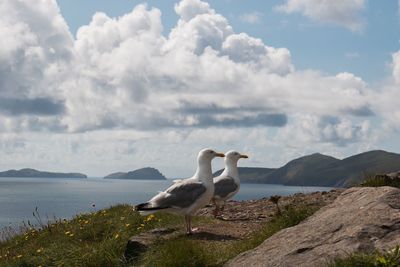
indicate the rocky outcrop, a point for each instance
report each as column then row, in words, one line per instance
column 361, row 219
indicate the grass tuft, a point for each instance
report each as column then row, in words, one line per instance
column 389, row 258
column 380, row 180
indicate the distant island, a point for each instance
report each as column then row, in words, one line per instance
column 322, row 170
column 140, row 174
column 32, row 173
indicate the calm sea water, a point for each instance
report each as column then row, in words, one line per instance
column 64, row 198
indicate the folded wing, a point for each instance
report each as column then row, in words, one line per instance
column 179, row 195
column 224, row 186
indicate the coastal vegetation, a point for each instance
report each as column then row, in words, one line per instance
column 390, row 258
column 99, row 239
column 381, row 180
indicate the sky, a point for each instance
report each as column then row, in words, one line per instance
column 105, row 86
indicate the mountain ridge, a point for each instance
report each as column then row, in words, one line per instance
column 323, row 170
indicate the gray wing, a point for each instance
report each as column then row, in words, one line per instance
column 225, row 186
column 183, row 195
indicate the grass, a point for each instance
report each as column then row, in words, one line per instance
column 95, row 239
column 99, row 239
column 188, row 251
column 380, row 180
column 377, row 259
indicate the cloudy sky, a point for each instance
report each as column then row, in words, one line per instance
column 104, row 86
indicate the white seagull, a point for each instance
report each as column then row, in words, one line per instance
column 228, row 183
column 188, row 195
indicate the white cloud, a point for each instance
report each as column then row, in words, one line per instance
column 118, row 75
column 311, row 129
column 189, row 9
column 123, row 92
column 342, row 13
column 396, row 67
column 252, row 18
column 385, row 100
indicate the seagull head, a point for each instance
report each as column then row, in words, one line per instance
column 208, row 154
column 234, row 156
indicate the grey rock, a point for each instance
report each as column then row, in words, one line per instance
column 359, row 220
column 394, row 175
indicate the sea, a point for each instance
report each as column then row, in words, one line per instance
column 65, row 198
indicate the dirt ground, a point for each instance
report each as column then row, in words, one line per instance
column 241, row 218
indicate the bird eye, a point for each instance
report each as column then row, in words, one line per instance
column 211, row 151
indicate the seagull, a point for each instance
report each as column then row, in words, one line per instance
column 186, row 196
column 228, row 183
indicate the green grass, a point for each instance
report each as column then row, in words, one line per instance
column 95, row 239
column 377, row 259
column 99, row 239
column 380, row 180
column 189, row 251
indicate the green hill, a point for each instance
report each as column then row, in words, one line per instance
column 322, row 170
column 354, row 169
column 251, row 174
column 140, row 174
column 302, row 170
column 32, row 173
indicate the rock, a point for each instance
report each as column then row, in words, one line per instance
column 139, row 243
column 359, row 220
column 394, row 175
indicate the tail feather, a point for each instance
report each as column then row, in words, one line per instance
column 147, row 207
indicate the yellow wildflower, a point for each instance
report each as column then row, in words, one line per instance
column 86, row 222
column 39, row 250
column 67, row 232
column 19, row 256
column 382, row 260
column 127, row 224
column 71, row 235
column 116, row 235
column 142, row 225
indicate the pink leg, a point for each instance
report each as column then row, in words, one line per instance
column 189, row 229
column 216, row 211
